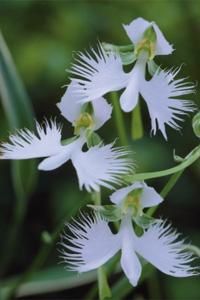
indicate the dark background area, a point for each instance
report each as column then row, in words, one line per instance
column 42, row 37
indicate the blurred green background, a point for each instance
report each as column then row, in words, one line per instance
column 42, row 37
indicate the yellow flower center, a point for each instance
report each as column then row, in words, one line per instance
column 84, row 121
column 132, row 203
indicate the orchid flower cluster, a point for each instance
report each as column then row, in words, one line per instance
column 89, row 242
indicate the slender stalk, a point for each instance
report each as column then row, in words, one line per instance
column 165, row 191
column 137, row 131
column 103, row 286
column 119, row 120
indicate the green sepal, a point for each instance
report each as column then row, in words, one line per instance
column 125, row 52
column 114, row 48
column 93, row 139
column 111, row 213
column 150, row 34
column 152, row 67
column 127, row 58
column 87, row 107
column 144, row 220
column 196, row 124
column 68, row 141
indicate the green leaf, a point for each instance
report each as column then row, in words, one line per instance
column 104, row 289
column 18, row 112
column 49, row 280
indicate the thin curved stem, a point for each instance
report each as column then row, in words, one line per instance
column 189, row 160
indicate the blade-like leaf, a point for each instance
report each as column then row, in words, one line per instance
column 50, row 280
column 19, row 113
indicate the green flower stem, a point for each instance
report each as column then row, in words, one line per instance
column 165, row 191
column 103, row 286
column 96, row 198
column 136, row 123
column 189, row 160
column 119, row 120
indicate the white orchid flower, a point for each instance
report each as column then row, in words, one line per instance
column 92, row 243
column 101, row 73
column 99, row 166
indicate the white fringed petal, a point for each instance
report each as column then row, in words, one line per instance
column 91, row 244
column 129, row 260
column 136, row 29
column 159, row 246
column 26, row 144
column 150, row 197
column 71, row 107
column 160, row 95
column 118, row 196
column 99, row 74
column 101, row 165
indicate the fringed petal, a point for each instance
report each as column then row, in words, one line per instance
column 159, row 94
column 90, row 244
column 26, row 144
column 101, row 166
column 99, row 73
column 159, row 245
